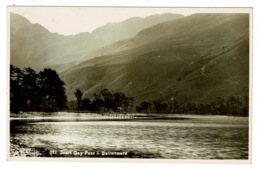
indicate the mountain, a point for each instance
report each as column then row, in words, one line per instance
column 120, row 34
column 33, row 45
column 112, row 32
column 192, row 59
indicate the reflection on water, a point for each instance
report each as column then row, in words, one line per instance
column 197, row 138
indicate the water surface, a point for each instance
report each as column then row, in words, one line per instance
column 197, row 137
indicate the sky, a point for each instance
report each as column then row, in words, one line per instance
column 74, row 20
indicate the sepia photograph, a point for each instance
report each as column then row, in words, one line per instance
column 129, row 83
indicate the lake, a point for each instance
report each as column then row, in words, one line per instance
column 193, row 137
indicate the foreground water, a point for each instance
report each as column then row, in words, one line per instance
column 196, row 137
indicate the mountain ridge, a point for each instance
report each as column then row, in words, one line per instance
column 191, row 59
column 131, row 26
column 33, row 45
column 174, row 62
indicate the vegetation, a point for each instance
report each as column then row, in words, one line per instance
column 232, row 106
column 78, row 93
column 106, row 101
column 31, row 91
column 44, row 91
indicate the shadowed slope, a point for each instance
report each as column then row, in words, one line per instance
column 193, row 59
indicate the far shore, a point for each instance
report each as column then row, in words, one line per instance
column 79, row 116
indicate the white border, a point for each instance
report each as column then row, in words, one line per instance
column 193, row 10
column 151, row 3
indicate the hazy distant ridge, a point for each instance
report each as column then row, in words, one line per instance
column 112, row 32
column 33, row 45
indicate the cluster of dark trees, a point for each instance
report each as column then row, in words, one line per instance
column 32, row 91
column 232, row 106
column 105, row 101
column 158, row 107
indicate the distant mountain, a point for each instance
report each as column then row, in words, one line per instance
column 113, row 32
column 192, row 59
column 121, row 34
column 33, row 45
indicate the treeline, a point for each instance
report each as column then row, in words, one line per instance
column 31, row 91
column 158, row 107
column 44, row 91
column 232, row 106
column 105, row 101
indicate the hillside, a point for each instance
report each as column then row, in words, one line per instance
column 112, row 32
column 193, row 59
column 33, row 45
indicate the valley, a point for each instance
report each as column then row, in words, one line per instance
column 196, row 58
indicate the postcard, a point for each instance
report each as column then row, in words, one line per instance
column 120, row 83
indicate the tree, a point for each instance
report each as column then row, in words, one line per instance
column 138, row 109
column 128, row 102
column 52, row 90
column 245, row 106
column 174, row 106
column 16, row 94
column 118, row 100
column 233, row 105
column 61, row 101
column 191, row 108
column 107, row 99
column 145, row 106
column 220, row 105
column 132, row 99
column 96, row 104
column 85, row 104
column 30, row 89
column 164, row 107
column 213, row 106
column 78, row 93
column 157, row 106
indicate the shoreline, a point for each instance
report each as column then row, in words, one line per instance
column 104, row 114
column 94, row 117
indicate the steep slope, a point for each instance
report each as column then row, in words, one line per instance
column 33, row 45
column 193, row 59
column 113, row 32
column 121, row 34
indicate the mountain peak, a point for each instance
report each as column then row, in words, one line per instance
column 128, row 28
